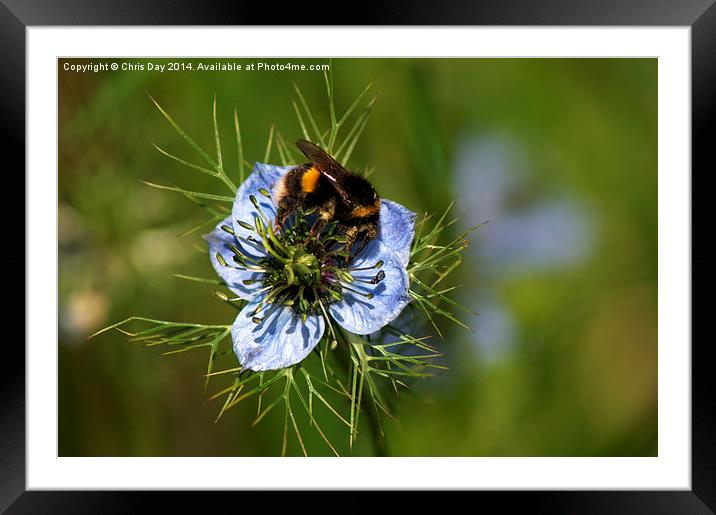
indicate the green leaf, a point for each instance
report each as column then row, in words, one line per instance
column 239, row 148
column 186, row 163
column 311, row 120
column 186, row 137
column 267, row 154
column 195, row 194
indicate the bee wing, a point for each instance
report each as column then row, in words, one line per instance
column 328, row 166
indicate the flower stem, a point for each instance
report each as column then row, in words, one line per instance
column 380, row 445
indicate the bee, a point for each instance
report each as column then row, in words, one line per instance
column 333, row 191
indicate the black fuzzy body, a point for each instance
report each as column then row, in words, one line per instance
column 290, row 195
column 337, row 194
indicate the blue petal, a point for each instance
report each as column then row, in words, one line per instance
column 264, row 177
column 397, row 228
column 409, row 322
column 219, row 241
column 282, row 339
column 361, row 315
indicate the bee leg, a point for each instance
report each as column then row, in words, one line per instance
column 316, row 228
column 366, row 233
column 281, row 214
column 352, row 236
column 362, row 245
column 280, row 219
column 286, row 207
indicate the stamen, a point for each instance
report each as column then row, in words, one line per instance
column 345, row 276
column 339, row 252
column 378, row 277
column 221, row 296
column 303, row 264
column 267, row 244
column 238, row 257
column 337, row 238
column 275, row 240
column 254, row 243
column 302, row 304
column 244, row 266
column 340, row 273
column 263, row 230
column 269, row 310
column 361, row 293
column 260, row 226
column 379, row 264
column 374, row 280
column 269, row 299
column 245, row 225
column 255, row 202
column 265, row 288
column 334, row 342
column 290, row 276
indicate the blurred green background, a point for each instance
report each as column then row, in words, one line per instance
column 559, row 155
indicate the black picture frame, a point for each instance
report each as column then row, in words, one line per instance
column 17, row 15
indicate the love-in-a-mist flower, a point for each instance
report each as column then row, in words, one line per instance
column 300, row 279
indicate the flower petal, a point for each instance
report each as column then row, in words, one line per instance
column 408, row 322
column 282, row 339
column 361, row 315
column 402, row 334
column 397, row 228
column 264, row 177
column 219, row 242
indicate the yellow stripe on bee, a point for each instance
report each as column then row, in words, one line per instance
column 309, row 181
column 362, row 211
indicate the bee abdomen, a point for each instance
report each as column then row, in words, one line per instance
column 310, row 179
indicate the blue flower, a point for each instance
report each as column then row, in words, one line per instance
column 295, row 281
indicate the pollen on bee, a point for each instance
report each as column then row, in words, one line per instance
column 362, row 211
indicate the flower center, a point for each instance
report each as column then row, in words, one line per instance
column 303, row 268
column 306, row 263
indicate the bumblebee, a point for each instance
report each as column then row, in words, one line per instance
column 336, row 193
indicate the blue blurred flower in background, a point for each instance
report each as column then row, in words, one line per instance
column 524, row 237
column 292, row 287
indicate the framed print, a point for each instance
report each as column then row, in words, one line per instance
column 417, row 258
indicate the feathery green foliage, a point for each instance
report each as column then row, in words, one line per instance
column 347, row 377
